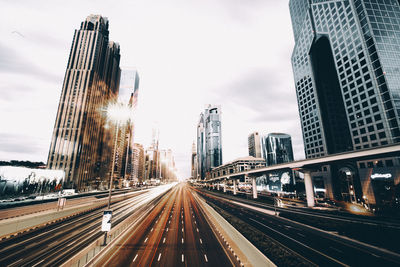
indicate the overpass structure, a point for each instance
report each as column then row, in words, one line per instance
column 305, row 166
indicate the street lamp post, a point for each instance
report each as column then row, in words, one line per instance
column 113, row 165
column 117, row 113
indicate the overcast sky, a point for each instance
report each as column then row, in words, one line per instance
column 234, row 53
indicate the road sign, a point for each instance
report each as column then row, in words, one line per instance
column 61, row 203
column 106, row 224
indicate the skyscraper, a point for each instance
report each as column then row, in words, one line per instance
column 254, row 145
column 209, row 145
column 201, row 151
column 346, row 64
column 138, row 163
column 128, row 95
column 277, row 148
column 79, row 141
column 194, row 162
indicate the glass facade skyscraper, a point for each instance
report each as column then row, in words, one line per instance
column 277, row 148
column 209, row 145
column 253, row 142
column 346, row 64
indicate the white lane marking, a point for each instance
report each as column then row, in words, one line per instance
column 157, row 221
column 135, row 258
column 182, row 221
column 197, row 229
column 159, row 257
column 205, row 257
column 146, row 240
column 163, row 240
column 70, row 243
column 183, row 258
column 300, row 234
column 375, row 255
column 201, row 241
column 167, row 229
column 151, row 229
column 182, row 240
column 182, row 229
column 43, row 261
column 195, row 222
column 169, row 221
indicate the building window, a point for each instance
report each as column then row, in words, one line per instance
column 389, row 163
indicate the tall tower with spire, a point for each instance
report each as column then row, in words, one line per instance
column 91, row 81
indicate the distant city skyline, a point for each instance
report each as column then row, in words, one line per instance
column 222, row 54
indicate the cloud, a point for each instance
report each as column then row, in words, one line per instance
column 258, row 92
column 243, row 11
column 21, row 144
column 12, row 62
column 46, row 39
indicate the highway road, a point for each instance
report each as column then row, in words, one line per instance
column 316, row 247
column 17, row 209
column 54, row 244
column 176, row 233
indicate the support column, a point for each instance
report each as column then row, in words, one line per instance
column 309, row 188
column 224, row 184
column 234, row 187
column 253, row 181
column 218, row 186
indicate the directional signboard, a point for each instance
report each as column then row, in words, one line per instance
column 106, row 224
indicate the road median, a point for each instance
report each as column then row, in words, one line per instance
column 243, row 250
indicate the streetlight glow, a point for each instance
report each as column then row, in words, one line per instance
column 119, row 112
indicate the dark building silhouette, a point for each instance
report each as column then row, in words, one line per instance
column 81, row 144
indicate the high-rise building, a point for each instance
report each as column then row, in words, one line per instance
column 277, row 148
column 194, row 161
column 128, row 95
column 80, row 143
column 201, row 148
column 167, row 165
column 209, row 145
column 346, row 64
column 254, row 145
column 138, row 165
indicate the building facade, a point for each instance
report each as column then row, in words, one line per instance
column 237, row 165
column 80, row 143
column 254, row 145
column 194, row 167
column 209, row 145
column 128, row 95
column 346, row 65
column 138, row 163
column 277, row 148
column 201, row 151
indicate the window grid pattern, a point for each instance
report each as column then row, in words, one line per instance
column 372, row 116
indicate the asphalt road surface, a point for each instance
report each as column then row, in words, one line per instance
column 175, row 233
column 56, row 243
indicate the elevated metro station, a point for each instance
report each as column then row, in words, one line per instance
column 370, row 176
